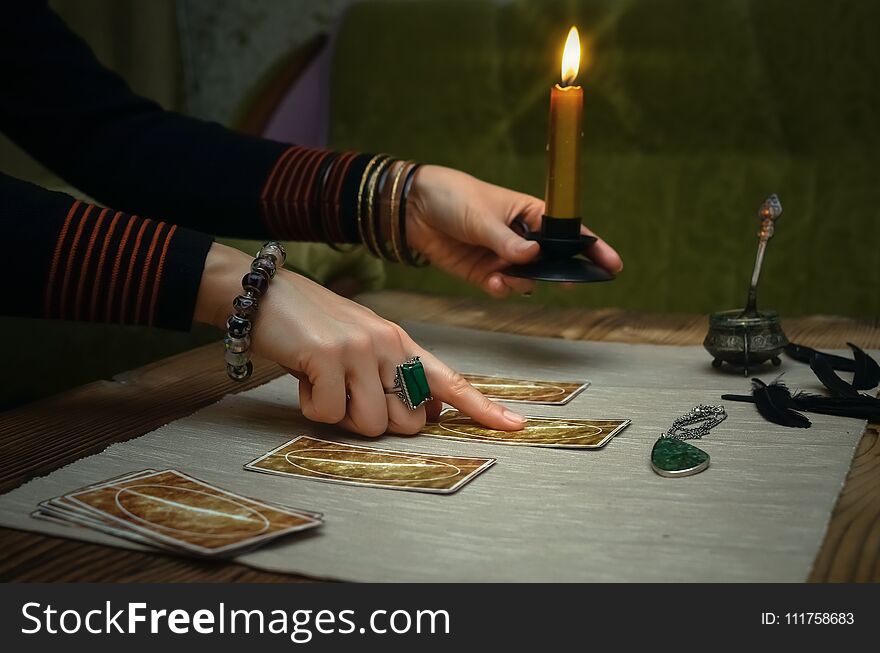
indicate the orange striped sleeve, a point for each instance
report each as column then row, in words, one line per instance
column 56, row 258
column 311, row 194
column 146, row 279
column 103, row 265
column 132, row 265
column 80, row 286
column 157, row 282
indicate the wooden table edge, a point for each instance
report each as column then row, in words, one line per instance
column 846, row 554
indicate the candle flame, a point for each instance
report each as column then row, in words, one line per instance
column 571, row 57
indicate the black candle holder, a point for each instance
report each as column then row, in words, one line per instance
column 561, row 258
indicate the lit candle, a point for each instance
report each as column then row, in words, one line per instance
column 564, row 137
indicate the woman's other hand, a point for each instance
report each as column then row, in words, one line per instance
column 462, row 225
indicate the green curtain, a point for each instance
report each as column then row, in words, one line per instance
column 695, row 111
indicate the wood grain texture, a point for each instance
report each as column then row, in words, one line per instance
column 606, row 325
column 31, row 557
column 41, row 437
column 45, row 435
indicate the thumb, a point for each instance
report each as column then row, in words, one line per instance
column 505, row 242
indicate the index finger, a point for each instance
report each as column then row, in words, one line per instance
column 451, row 387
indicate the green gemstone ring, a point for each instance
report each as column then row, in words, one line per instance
column 411, row 384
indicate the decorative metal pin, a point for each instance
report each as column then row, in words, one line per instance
column 748, row 337
column 769, row 213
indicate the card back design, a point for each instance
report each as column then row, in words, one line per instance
column 338, row 462
column 538, row 432
column 555, row 393
column 176, row 509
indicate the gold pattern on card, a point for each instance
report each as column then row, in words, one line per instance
column 538, row 431
column 524, row 390
column 337, row 461
column 175, row 506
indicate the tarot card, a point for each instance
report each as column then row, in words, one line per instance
column 554, row 393
column 63, row 508
column 95, row 526
column 177, row 510
column 337, row 462
column 60, row 510
column 63, row 511
column 562, row 432
column 100, row 526
column 39, row 514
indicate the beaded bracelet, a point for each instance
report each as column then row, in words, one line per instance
column 238, row 327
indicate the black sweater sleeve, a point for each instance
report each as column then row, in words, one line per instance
column 74, row 260
column 83, row 122
column 126, row 264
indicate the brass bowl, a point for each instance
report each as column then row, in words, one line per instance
column 744, row 341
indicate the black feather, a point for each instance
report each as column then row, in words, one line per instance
column 746, row 399
column 862, row 407
column 820, row 364
column 774, row 402
column 867, row 372
column 804, row 354
column 778, row 397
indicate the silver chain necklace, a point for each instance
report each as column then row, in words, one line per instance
column 705, row 417
column 672, row 456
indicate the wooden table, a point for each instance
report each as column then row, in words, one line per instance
column 41, row 437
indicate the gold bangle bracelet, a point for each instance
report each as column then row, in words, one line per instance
column 386, row 186
column 394, row 217
column 360, row 215
column 372, row 226
column 410, row 255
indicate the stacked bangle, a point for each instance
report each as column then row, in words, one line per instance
column 310, row 195
column 317, row 205
column 393, row 230
column 340, row 198
column 373, row 212
column 364, row 230
column 408, row 256
column 238, row 327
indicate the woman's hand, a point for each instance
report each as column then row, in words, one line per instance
column 343, row 354
column 462, row 225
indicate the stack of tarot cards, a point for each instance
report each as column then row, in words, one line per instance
column 172, row 511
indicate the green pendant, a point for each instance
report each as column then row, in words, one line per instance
column 672, row 457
